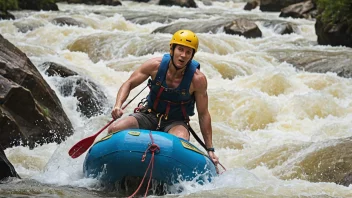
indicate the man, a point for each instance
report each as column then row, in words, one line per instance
column 176, row 85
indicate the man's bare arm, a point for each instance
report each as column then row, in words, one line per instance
column 200, row 85
column 147, row 69
column 200, row 92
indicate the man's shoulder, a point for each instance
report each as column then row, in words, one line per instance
column 153, row 63
column 151, row 66
column 155, row 60
column 198, row 75
column 199, row 80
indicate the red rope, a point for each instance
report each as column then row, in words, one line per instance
column 152, row 148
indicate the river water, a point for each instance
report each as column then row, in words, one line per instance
column 277, row 130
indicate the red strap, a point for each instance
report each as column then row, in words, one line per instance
column 155, row 105
column 167, row 110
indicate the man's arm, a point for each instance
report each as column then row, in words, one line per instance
column 149, row 68
column 200, row 86
column 201, row 96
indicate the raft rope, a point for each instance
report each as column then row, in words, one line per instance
column 153, row 148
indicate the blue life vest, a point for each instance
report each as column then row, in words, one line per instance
column 174, row 103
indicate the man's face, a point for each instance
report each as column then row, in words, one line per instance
column 182, row 55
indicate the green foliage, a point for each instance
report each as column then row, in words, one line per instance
column 335, row 11
column 8, row 5
column 46, row 112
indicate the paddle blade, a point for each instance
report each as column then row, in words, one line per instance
column 80, row 147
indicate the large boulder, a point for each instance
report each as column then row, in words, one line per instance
column 334, row 34
column 251, row 5
column 38, row 5
column 243, row 27
column 326, row 164
column 30, row 112
column 6, row 15
column 91, row 98
column 276, row 5
column 305, row 9
column 316, row 61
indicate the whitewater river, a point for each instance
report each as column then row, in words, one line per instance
column 276, row 129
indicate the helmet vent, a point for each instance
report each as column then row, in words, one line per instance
column 189, row 40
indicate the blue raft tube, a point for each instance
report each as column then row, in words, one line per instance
column 129, row 153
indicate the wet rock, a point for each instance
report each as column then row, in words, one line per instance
column 334, row 34
column 67, row 21
column 322, row 162
column 6, row 168
column 243, row 27
column 316, row 61
column 182, row 3
column 4, row 15
column 54, row 69
column 346, row 180
column 280, row 27
column 30, row 111
column 37, row 5
column 91, row 98
column 299, row 10
column 276, row 5
column 251, row 5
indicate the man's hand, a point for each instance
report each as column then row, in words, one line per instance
column 117, row 112
column 215, row 159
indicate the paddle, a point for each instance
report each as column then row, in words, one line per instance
column 80, row 147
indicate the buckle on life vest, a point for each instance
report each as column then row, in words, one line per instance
column 162, row 115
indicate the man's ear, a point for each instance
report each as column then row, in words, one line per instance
column 171, row 49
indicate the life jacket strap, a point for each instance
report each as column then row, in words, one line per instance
column 156, row 102
column 184, row 112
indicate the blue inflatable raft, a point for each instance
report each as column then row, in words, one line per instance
column 119, row 155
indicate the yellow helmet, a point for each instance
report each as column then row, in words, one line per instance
column 186, row 38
